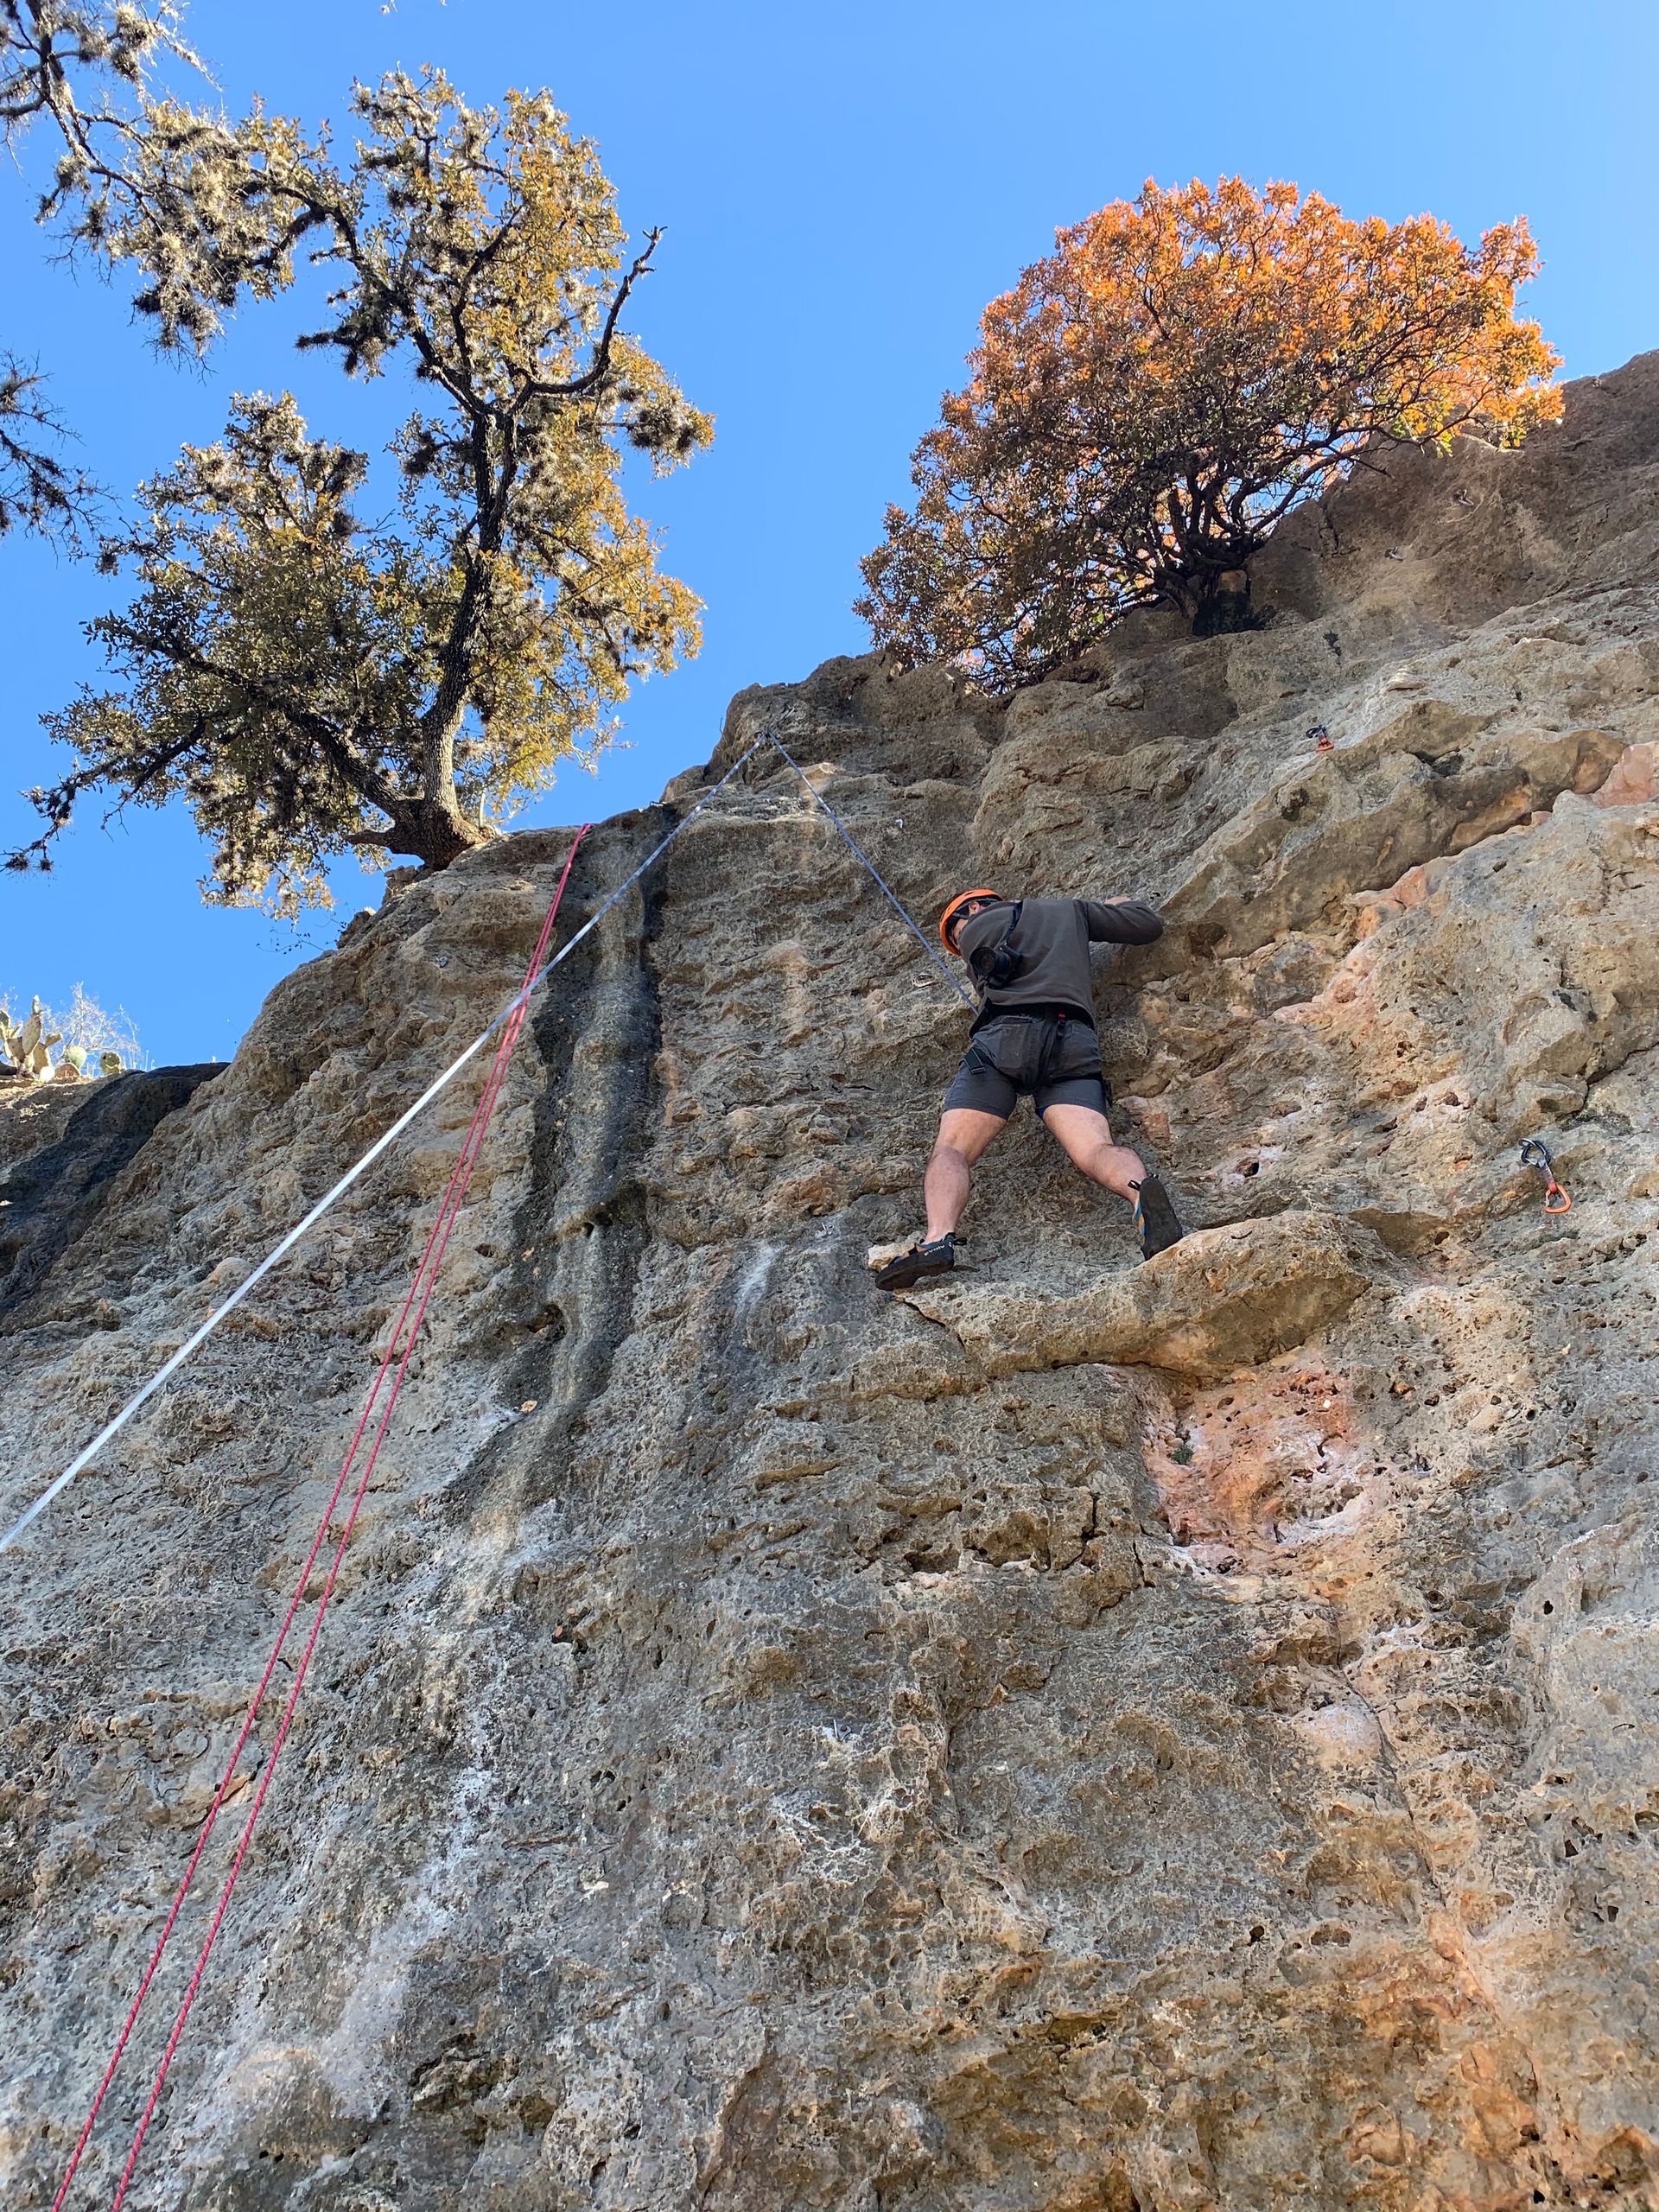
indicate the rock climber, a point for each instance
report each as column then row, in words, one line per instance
column 1034, row 1032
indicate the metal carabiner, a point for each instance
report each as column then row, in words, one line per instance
column 1535, row 1153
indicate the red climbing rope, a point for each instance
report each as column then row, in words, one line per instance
column 400, row 1349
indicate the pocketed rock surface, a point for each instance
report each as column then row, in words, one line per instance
column 1073, row 1738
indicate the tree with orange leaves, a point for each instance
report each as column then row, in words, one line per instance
column 1150, row 401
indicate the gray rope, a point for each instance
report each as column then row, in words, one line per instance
column 141, row 1396
column 859, row 853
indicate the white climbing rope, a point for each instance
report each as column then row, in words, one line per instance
column 192, row 1343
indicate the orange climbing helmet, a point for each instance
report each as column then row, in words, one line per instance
column 954, row 909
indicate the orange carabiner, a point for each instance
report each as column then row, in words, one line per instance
column 1535, row 1153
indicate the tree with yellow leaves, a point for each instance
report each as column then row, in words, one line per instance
column 1151, row 400
column 311, row 680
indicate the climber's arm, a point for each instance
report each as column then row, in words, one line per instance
column 1121, row 921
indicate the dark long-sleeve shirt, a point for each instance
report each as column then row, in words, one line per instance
column 1052, row 940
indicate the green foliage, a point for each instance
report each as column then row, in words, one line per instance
column 311, row 679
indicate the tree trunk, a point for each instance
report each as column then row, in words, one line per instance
column 1218, row 601
column 433, row 827
column 433, row 832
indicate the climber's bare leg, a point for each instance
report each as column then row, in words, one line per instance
column 964, row 1134
column 1086, row 1139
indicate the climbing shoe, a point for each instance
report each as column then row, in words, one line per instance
column 935, row 1259
column 1154, row 1218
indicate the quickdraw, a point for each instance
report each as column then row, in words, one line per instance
column 1535, row 1153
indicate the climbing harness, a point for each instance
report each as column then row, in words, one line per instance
column 1535, row 1153
column 383, row 1394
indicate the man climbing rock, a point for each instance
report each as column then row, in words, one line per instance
column 1034, row 1032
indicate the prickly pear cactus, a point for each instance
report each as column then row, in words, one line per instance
column 26, row 1050
column 17, row 1041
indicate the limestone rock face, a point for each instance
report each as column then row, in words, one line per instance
column 55, row 1190
column 1080, row 1738
column 1221, row 1299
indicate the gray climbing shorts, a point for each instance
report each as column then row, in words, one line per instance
column 1052, row 1056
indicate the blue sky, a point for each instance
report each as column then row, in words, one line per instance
column 843, row 188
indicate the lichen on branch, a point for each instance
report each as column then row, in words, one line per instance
column 313, row 678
